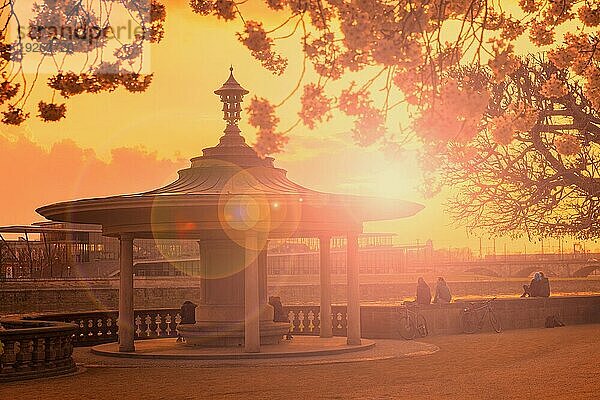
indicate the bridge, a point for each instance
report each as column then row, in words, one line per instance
column 557, row 265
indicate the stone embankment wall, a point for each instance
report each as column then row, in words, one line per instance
column 158, row 292
column 523, row 313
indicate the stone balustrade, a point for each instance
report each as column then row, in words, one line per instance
column 102, row 326
column 33, row 349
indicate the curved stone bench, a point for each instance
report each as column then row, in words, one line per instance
column 34, row 349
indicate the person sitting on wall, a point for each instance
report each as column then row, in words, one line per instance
column 278, row 314
column 442, row 292
column 188, row 316
column 533, row 289
column 544, row 288
column 423, row 292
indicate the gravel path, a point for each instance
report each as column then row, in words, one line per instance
column 560, row 363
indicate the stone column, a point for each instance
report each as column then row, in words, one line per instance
column 325, row 274
column 251, row 297
column 126, row 323
column 262, row 276
column 353, row 290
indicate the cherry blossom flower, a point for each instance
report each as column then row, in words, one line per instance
column 553, row 88
column 8, row 90
column 589, row 16
column 541, row 34
column 276, row 4
column 255, row 37
column 592, row 85
column 51, row 111
column 202, row 7
column 262, row 114
column 529, row 6
column 354, row 102
column 315, row 106
column 502, row 129
column 225, row 9
column 269, row 142
column 562, row 57
column 136, row 82
column 368, row 128
column 14, row 115
column 68, row 84
column 260, row 45
column 567, row 145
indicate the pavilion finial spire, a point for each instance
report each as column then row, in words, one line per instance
column 232, row 94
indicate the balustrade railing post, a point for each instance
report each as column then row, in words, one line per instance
column 50, row 357
column 24, row 355
column 9, row 357
column 38, row 353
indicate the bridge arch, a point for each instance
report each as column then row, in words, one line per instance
column 482, row 271
column 527, row 271
column 585, row 271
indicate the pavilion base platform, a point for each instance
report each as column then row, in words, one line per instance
column 230, row 334
column 299, row 346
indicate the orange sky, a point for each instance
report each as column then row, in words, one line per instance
column 121, row 142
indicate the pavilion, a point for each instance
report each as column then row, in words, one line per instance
column 232, row 202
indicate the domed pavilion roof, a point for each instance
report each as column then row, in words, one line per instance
column 228, row 191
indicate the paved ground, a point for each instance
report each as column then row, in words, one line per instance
column 560, row 363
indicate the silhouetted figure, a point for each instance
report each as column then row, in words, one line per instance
column 188, row 316
column 544, row 288
column 423, row 292
column 278, row 314
column 534, row 287
column 442, row 292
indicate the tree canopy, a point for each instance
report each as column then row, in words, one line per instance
column 516, row 133
column 412, row 46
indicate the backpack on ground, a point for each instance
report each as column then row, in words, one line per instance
column 552, row 321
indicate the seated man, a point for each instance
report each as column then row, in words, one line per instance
column 544, row 286
column 533, row 289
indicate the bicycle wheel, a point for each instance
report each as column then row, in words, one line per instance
column 406, row 327
column 469, row 322
column 495, row 322
column 422, row 329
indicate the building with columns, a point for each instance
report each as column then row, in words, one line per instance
column 232, row 202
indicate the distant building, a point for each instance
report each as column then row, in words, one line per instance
column 76, row 250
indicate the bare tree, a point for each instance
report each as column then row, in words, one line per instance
column 544, row 179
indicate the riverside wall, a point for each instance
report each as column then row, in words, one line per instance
column 18, row 297
column 523, row 313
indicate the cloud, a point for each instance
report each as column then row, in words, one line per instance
column 33, row 176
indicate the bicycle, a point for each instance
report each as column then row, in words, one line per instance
column 471, row 321
column 411, row 323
